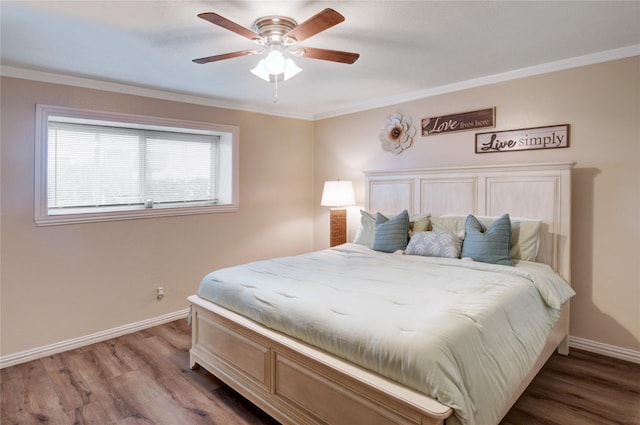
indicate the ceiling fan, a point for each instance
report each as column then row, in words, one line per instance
column 277, row 36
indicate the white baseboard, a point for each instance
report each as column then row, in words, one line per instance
column 59, row 347
column 604, row 349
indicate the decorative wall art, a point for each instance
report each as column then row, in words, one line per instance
column 484, row 118
column 549, row 137
column 397, row 134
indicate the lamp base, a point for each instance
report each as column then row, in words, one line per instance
column 338, row 226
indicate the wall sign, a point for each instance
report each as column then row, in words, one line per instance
column 485, row 118
column 523, row 139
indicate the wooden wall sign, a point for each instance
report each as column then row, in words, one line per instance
column 485, row 118
column 550, row 137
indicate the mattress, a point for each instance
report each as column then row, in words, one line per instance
column 462, row 332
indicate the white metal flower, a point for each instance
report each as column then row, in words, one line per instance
column 397, row 134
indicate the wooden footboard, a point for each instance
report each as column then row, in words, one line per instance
column 298, row 384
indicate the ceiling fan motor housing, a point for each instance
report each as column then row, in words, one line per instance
column 273, row 28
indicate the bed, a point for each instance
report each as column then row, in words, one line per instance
column 273, row 359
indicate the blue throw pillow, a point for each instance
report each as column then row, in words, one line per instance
column 489, row 245
column 391, row 234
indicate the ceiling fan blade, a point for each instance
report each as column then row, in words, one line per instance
column 312, row 26
column 330, row 55
column 224, row 56
column 223, row 22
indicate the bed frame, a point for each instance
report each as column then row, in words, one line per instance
column 299, row 384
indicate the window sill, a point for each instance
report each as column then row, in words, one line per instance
column 61, row 219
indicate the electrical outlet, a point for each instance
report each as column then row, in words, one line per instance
column 160, row 293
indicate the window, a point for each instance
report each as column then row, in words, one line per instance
column 95, row 166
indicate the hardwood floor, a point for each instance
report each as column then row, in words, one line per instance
column 144, row 379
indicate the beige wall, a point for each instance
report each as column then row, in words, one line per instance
column 602, row 104
column 64, row 282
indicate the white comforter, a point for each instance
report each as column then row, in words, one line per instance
column 462, row 332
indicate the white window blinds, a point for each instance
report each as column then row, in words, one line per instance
column 100, row 167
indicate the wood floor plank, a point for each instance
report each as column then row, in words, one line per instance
column 534, row 409
column 112, row 358
column 90, row 414
column 175, row 334
column 246, row 413
column 72, row 393
column 185, row 394
column 96, row 377
column 127, row 358
column 601, row 401
column 156, row 356
column 134, row 420
column 144, row 379
column 582, row 389
column 116, row 408
column 12, row 390
column 154, row 403
column 41, row 401
column 86, row 367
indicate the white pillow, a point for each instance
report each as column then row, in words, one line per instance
column 367, row 229
column 436, row 244
column 525, row 238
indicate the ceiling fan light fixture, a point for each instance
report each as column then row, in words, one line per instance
column 270, row 73
column 276, row 35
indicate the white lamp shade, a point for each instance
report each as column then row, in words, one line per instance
column 290, row 69
column 260, row 71
column 338, row 193
column 274, row 62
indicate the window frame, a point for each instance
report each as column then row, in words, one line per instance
column 229, row 139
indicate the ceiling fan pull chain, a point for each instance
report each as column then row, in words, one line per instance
column 275, row 90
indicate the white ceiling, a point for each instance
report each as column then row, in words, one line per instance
column 409, row 49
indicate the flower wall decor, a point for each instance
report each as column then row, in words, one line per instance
column 397, row 134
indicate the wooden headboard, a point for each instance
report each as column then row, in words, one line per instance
column 539, row 191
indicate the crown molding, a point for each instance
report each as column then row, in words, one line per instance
column 575, row 62
column 89, row 83
column 560, row 65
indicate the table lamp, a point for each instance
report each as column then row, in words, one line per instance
column 338, row 194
